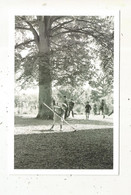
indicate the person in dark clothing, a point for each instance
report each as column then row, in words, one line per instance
column 66, row 107
column 53, row 102
column 87, row 110
column 102, row 108
column 95, row 109
column 70, row 108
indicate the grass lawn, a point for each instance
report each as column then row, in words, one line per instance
column 85, row 149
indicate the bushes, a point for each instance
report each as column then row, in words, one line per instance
column 79, row 109
column 26, row 104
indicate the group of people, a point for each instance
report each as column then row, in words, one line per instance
column 62, row 112
column 66, row 106
column 101, row 109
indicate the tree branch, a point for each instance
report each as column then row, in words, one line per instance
column 55, row 18
column 61, row 24
column 22, row 28
column 67, row 31
column 24, row 43
column 55, row 43
column 36, row 36
column 20, row 77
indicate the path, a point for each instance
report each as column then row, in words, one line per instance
column 27, row 124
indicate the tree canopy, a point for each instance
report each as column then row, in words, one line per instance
column 76, row 44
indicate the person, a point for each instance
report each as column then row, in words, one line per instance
column 87, row 110
column 102, row 107
column 53, row 102
column 70, row 108
column 65, row 104
column 59, row 112
column 95, row 109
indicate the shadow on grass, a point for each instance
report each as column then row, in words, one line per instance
column 23, row 121
column 65, row 150
column 90, row 122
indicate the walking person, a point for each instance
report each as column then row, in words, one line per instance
column 65, row 104
column 70, row 108
column 102, row 107
column 95, row 109
column 87, row 110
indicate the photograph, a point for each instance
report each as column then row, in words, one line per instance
column 65, row 103
column 65, row 92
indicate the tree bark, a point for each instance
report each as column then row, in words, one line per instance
column 45, row 83
column 45, row 89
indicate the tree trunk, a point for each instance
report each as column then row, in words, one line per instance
column 45, row 84
column 45, row 89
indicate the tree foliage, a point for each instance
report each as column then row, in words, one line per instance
column 76, row 43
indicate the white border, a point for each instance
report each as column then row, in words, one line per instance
column 50, row 11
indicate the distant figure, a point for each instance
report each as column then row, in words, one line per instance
column 70, row 108
column 53, row 101
column 66, row 107
column 65, row 100
column 87, row 110
column 95, row 109
column 58, row 118
column 102, row 108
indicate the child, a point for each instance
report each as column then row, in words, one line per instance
column 87, row 110
column 59, row 113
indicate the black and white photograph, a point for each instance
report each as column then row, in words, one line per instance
column 65, row 102
column 64, row 92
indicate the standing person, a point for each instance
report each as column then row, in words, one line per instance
column 66, row 107
column 95, row 109
column 53, row 102
column 58, row 116
column 102, row 107
column 70, row 108
column 87, row 110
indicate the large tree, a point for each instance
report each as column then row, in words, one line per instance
column 61, row 49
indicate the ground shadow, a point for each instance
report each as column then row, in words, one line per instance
column 26, row 121
column 90, row 122
column 70, row 150
column 21, row 121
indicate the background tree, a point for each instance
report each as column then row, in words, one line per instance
column 61, row 49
